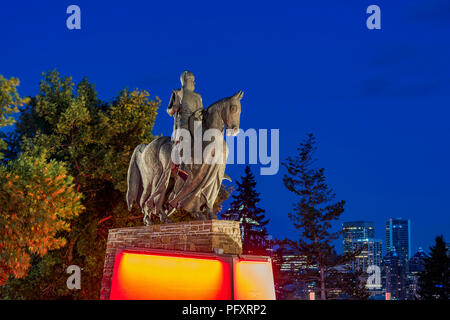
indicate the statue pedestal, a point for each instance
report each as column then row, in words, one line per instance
column 194, row 237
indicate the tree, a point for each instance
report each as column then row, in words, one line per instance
column 244, row 209
column 314, row 211
column 288, row 271
column 434, row 279
column 344, row 283
column 9, row 103
column 94, row 140
column 37, row 203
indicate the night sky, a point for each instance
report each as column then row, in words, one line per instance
column 377, row 100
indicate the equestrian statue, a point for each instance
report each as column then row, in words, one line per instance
column 184, row 171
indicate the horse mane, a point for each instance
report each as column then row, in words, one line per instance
column 218, row 103
column 215, row 109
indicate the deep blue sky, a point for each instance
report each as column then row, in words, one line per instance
column 378, row 101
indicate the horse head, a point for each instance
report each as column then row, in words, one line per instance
column 231, row 113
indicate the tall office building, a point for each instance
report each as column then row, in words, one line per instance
column 416, row 266
column 356, row 230
column 398, row 253
column 398, row 238
column 359, row 235
column 371, row 253
column 394, row 275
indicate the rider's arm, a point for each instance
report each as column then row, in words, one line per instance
column 201, row 102
column 173, row 104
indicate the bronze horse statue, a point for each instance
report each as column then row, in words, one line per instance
column 158, row 191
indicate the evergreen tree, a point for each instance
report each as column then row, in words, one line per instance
column 434, row 279
column 314, row 211
column 244, row 209
column 344, row 283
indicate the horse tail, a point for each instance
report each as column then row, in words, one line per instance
column 134, row 179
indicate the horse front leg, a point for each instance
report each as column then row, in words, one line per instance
column 147, row 218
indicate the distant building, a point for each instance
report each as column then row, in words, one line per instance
column 394, row 275
column 356, row 230
column 359, row 236
column 416, row 265
column 398, row 238
column 288, row 270
column 395, row 263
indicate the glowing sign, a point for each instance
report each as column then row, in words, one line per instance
column 139, row 276
column 253, row 280
column 156, row 275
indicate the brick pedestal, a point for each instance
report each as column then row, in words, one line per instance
column 194, row 236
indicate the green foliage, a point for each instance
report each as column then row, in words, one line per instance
column 95, row 140
column 434, row 280
column 244, row 209
column 314, row 211
column 9, row 103
column 37, row 203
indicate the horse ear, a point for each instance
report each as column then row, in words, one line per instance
column 239, row 95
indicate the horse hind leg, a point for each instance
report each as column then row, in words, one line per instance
column 211, row 214
column 164, row 218
column 134, row 179
column 199, row 215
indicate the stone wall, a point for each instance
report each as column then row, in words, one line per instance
column 194, row 236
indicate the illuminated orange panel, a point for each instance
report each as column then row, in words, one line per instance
column 142, row 276
column 253, row 280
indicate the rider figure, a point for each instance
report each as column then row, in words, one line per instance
column 184, row 103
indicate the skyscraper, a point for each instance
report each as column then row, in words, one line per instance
column 398, row 253
column 398, row 238
column 394, row 275
column 416, row 265
column 356, row 230
column 371, row 253
column 360, row 235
